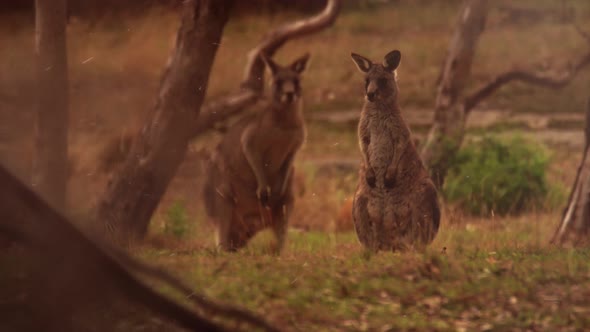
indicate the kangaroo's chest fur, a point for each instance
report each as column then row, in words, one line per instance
column 277, row 134
column 384, row 134
column 388, row 145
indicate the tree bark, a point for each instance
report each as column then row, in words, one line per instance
column 446, row 134
column 50, row 159
column 575, row 222
column 134, row 193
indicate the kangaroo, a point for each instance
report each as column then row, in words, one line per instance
column 250, row 175
column 395, row 205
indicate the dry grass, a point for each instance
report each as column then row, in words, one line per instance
column 487, row 274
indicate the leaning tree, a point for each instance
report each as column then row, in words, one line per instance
column 452, row 107
column 157, row 151
column 575, row 222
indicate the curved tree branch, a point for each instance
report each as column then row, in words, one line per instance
column 278, row 37
column 253, row 82
column 221, row 110
column 523, row 76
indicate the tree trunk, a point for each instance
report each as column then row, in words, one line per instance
column 223, row 109
column 134, row 193
column 446, row 134
column 575, row 223
column 50, row 159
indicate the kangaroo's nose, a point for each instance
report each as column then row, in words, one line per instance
column 287, row 97
column 290, row 96
column 371, row 96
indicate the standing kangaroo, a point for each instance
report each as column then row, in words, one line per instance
column 249, row 183
column 395, row 205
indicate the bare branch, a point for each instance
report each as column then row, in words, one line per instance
column 253, row 83
column 223, row 109
column 278, row 37
column 526, row 77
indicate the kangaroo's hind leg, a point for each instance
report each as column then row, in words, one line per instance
column 219, row 205
column 225, row 217
column 426, row 217
column 224, row 224
column 281, row 213
column 363, row 224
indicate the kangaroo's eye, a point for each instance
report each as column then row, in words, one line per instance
column 279, row 83
column 382, row 82
column 366, row 83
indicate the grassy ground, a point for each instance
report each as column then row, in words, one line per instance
column 480, row 274
column 491, row 275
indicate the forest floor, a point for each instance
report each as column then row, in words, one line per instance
column 488, row 273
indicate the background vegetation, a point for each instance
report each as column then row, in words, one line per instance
column 499, row 176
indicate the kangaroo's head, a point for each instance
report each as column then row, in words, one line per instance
column 379, row 78
column 285, row 82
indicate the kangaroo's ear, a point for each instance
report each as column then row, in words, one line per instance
column 300, row 64
column 362, row 63
column 392, row 60
column 270, row 63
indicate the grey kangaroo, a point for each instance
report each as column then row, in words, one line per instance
column 395, row 205
column 250, row 174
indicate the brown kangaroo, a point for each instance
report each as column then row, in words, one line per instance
column 395, row 205
column 250, row 175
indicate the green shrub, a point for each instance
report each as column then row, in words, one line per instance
column 503, row 176
column 176, row 220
